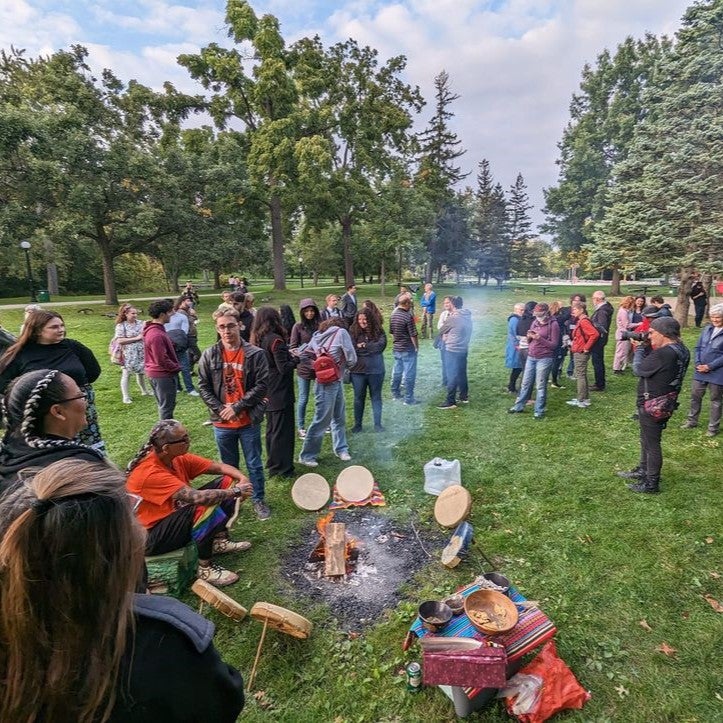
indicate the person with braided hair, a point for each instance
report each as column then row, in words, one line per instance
column 75, row 643
column 43, row 344
column 43, row 411
column 173, row 512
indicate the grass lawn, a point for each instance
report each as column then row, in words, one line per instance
column 547, row 509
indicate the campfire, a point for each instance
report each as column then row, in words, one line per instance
column 336, row 553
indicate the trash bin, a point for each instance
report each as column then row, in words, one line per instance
column 43, row 295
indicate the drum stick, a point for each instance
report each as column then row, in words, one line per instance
column 258, row 655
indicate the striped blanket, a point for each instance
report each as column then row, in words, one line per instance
column 532, row 629
column 375, row 499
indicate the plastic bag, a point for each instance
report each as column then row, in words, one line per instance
column 524, row 691
column 559, row 689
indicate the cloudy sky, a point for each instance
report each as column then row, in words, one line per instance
column 515, row 63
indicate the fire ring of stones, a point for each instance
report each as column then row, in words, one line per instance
column 382, row 554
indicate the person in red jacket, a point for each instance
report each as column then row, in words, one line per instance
column 161, row 363
column 584, row 336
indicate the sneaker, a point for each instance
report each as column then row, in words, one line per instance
column 128, row 401
column 411, row 402
column 555, row 385
column 464, row 401
column 711, row 433
column 193, row 393
column 262, row 510
column 584, row 403
column 308, row 462
column 447, row 405
column 302, row 433
column 514, row 410
column 216, row 575
column 399, row 399
column 222, row 545
column 379, row 428
column 539, row 417
column 573, row 402
column 327, row 430
column 356, row 429
column 344, row 456
column 596, row 388
column 636, row 473
column 207, row 423
column 689, row 425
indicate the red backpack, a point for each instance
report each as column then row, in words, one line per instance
column 326, row 369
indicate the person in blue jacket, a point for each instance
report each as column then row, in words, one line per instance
column 708, row 373
column 429, row 309
column 512, row 355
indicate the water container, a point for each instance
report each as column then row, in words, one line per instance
column 441, row 473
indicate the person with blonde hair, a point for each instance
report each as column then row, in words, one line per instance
column 75, row 643
column 129, row 334
column 623, row 321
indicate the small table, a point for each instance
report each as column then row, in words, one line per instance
column 532, row 630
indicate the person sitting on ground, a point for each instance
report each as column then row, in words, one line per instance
column 75, row 643
column 173, row 512
column 43, row 411
column 333, row 339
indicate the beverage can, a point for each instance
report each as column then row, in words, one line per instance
column 414, row 677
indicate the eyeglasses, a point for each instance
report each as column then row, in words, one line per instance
column 72, row 399
column 181, row 440
column 134, row 501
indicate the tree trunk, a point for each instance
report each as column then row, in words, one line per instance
column 615, row 286
column 277, row 244
column 52, row 270
column 683, row 300
column 316, row 278
column 428, row 271
column 106, row 257
column 216, row 279
column 346, row 244
column 383, row 276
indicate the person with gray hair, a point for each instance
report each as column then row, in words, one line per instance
column 661, row 364
column 708, row 373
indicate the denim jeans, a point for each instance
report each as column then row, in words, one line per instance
column 537, row 372
column 185, row 364
column 330, row 409
column 456, row 376
column 404, row 372
column 304, row 387
column 374, row 383
column 249, row 437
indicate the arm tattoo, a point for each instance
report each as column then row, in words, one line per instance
column 201, row 497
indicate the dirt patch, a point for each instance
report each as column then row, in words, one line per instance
column 389, row 554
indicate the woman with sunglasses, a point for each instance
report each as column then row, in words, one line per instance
column 75, row 643
column 43, row 344
column 173, row 512
column 43, row 411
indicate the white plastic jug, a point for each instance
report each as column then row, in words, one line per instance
column 441, row 473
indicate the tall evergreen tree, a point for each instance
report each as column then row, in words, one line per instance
column 666, row 210
column 520, row 228
column 438, row 173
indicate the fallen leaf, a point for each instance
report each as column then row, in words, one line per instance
column 685, row 614
column 666, row 649
column 644, row 625
column 352, row 635
column 709, row 540
column 715, row 575
column 719, row 696
column 263, row 700
column 713, row 603
column 622, row 691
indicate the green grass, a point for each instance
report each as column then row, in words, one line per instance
column 547, row 508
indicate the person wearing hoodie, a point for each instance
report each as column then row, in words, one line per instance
column 301, row 335
column 44, row 411
column 333, row 339
column 161, row 363
column 544, row 339
column 456, row 332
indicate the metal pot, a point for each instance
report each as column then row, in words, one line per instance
column 435, row 615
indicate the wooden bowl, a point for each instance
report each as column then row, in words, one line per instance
column 491, row 612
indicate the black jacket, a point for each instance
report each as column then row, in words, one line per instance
column 172, row 671
column 601, row 319
column 280, row 393
column 256, row 381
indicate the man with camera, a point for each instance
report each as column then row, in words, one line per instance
column 660, row 361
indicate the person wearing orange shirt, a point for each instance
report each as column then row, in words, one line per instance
column 233, row 381
column 173, row 512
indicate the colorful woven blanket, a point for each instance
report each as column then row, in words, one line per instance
column 375, row 499
column 532, row 629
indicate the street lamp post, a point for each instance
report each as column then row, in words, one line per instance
column 25, row 246
column 301, row 271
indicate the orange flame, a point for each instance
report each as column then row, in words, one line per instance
column 322, row 522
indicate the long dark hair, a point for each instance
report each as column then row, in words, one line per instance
column 373, row 330
column 287, row 318
column 266, row 321
column 32, row 327
column 311, row 325
column 369, row 304
column 26, row 402
column 71, row 553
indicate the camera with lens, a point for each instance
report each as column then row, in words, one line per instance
column 641, row 336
